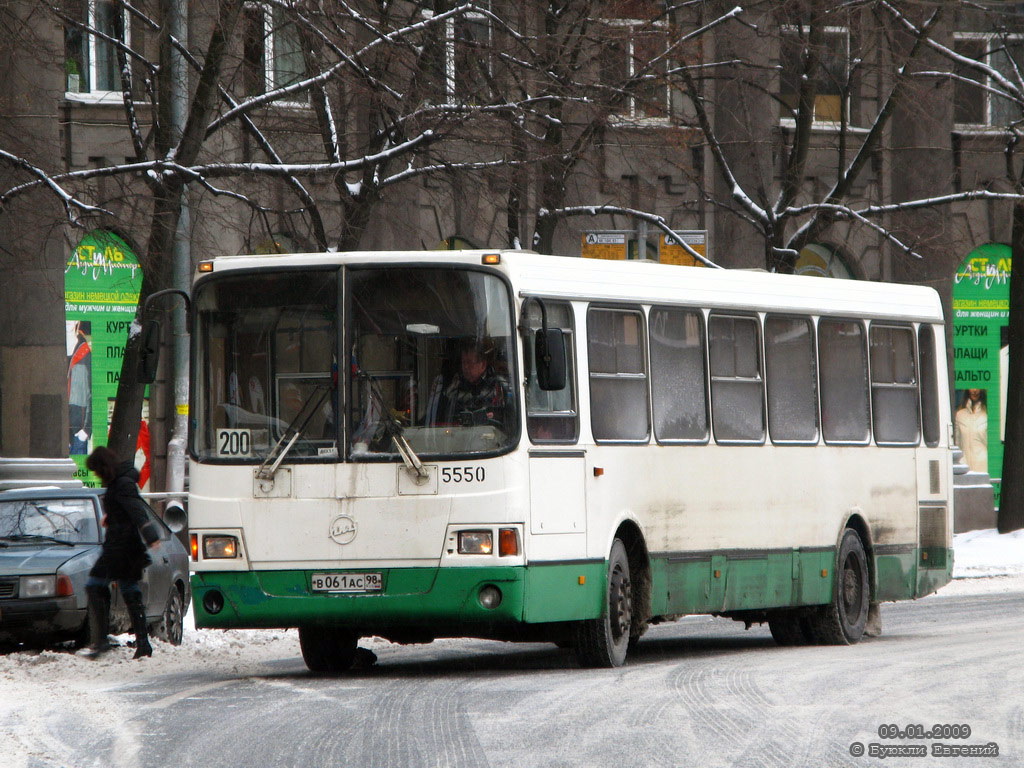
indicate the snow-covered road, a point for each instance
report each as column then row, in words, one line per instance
column 58, row 710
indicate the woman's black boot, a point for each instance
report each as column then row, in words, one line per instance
column 99, row 622
column 133, row 602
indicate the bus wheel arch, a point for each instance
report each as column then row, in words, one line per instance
column 858, row 524
column 640, row 577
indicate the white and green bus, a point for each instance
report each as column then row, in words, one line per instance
column 638, row 442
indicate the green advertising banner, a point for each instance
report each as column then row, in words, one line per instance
column 102, row 281
column 981, row 311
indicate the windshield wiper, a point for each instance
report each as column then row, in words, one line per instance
column 292, row 432
column 38, row 537
column 394, row 429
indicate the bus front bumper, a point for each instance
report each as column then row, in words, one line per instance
column 410, row 598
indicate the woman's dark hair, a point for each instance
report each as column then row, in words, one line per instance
column 103, row 462
column 966, row 399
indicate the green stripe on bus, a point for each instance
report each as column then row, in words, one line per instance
column 718, row 583
column 411, row 597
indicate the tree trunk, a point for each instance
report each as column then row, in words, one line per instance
column 126, row 419
column 1011, row 497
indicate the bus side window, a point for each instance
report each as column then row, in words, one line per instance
column 551, row 416
column 792, row 379
column 842, row 357
column 929, row 385
column 618, row 377
column 894, row 398
column 737, row 388
column 678, row 381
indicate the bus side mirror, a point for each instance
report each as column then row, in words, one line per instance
column 175, row 517
column 149, row 352
column 550, row 359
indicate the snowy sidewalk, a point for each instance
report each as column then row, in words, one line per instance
column 986, row 561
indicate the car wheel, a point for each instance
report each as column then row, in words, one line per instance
column 171, row 627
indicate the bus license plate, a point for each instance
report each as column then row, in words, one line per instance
column 347, row 582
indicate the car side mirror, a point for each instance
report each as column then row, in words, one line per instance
column 149, row 352
column 550, row 359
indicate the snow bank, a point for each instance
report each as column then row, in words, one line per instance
column 981, row 554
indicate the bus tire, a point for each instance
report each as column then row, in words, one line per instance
column 789, row 627
column 327, row 650
column 603, row 642
column 842, row 622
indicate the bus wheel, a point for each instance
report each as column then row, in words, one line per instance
column 327, row 650
column 603, row 642
column 842, row 622
column 788, row 627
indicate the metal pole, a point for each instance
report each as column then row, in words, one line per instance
column 177, row 23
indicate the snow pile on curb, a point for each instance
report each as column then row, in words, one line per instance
column 983, row 554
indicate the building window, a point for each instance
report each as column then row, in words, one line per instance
column 273, row 52
column 90, row 54
column 458, row 58
column 633, row 68
column 831, row 74
column 973, row 104
column 821, row 260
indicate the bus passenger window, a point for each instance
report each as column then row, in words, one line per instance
column 737, row 394
column 551, row 416
column 678, row 375
column 842, row 356
column 929, row 385
column 792, row 379
column 618, row 379
column 894, row 398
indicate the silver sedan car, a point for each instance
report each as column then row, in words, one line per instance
column 49, row 539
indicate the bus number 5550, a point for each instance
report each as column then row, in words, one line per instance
column 463, row 474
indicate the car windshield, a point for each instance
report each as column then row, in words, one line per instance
column 432, row 359
column 38, row 520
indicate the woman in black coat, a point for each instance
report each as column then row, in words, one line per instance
column 123, row 556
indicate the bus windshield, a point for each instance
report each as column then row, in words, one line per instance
column 432, row 361
column 267, row 352
column 430, row 358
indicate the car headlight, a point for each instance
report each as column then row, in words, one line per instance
column 38, row 586
column 46, row 586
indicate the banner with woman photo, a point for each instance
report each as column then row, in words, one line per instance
column 981, row 311
column 102, row 280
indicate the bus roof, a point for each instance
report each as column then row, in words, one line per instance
column 649, row 282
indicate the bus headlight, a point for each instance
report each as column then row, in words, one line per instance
column 475, row 543
column 220, row 547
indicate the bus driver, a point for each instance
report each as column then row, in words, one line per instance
column 476, row 395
